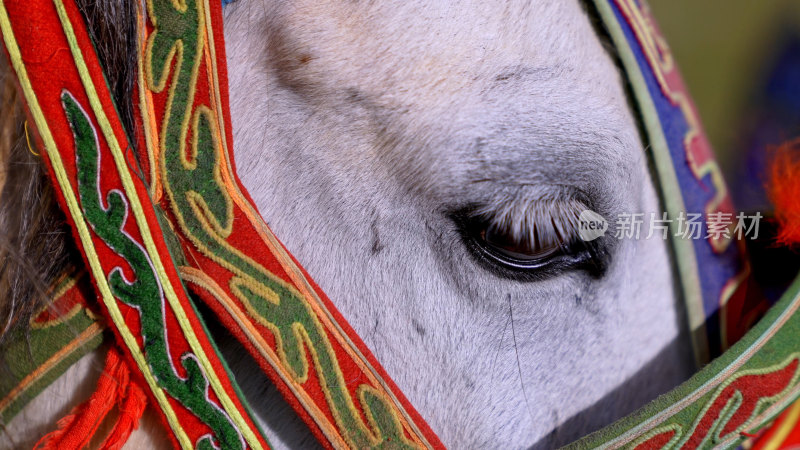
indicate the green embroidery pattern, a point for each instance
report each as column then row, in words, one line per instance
column 192, row 180
column 144, row 292
column 32, row 360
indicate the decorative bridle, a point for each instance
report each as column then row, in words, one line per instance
column 175, row 220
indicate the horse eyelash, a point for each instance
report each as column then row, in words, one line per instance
column 544, row 222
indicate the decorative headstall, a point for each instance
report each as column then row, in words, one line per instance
column 175, row 219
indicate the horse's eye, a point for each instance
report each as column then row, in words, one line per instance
column 529, row 258
column 511, row 247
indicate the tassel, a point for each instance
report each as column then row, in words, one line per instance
column 76, row 430
column 784, row 191
column 131, row 411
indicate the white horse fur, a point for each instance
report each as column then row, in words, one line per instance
column 360, row 126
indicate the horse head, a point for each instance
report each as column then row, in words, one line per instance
column 428, row 163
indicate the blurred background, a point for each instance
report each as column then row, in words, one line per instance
column 741, row 62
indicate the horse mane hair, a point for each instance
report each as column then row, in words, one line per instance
column 35, row 240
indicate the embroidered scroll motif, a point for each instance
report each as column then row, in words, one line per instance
column 238, row 267
column 141, row 288
column 732, row 408
column 60, row 334
column 117, row 227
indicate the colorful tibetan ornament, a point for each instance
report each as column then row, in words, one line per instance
column 233, row 263
column 117, row 230
column 229, row 258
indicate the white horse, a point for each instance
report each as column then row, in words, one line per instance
column 425, row 161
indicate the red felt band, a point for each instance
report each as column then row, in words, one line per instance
column 38, row 39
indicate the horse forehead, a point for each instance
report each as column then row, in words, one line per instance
column 387, row 40
column 513, row 90
column 426, row 57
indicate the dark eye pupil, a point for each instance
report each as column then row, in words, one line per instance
column 522, row 249
column 530, row 253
